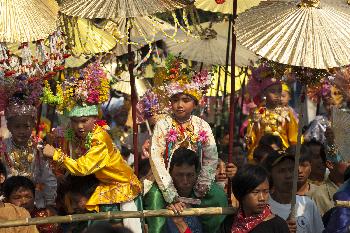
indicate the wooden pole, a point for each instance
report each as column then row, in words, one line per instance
column 133, row 102
column 297, row 155
column 116, row 215
column 232, row 120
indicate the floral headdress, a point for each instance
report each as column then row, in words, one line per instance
column 148, row 106
column 261, row 78
column 176, row 78
column 321, row 90
column 80, row 94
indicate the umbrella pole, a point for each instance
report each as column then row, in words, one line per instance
column 133, row 102
column 232, row 119
column 297, row 155
column 216, row 119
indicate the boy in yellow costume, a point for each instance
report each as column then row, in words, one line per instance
column 96, row 154
column 270, row 116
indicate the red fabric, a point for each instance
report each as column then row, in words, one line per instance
column 246, row 224
column 188, row 230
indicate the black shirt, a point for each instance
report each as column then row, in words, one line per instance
column 274, row 225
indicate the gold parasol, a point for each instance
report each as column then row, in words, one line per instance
column 144, row 30
column 27, row 20
column 123, row 85
column 113, row 9
column 211, row 47
column 84, row 38
column 297, row 34
column 226, row 7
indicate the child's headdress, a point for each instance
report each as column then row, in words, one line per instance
column 321, row 90
column 261, row 78
column 81, row 93
column 176, row 78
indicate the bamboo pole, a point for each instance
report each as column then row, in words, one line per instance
column 345, row 204
column 133, row 102
column 116, row 215
column 297, row 155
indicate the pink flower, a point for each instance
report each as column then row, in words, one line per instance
column 203, row 136
column 172, row 136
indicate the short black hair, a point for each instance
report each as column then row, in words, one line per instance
column 184, row 156
column 262, row 151
column 3, row 169
column 13, row 183
column 83, row 185
column 104, row 227
column 247, row 179
column 305, row 155
column 314, row 142
column 270, row 139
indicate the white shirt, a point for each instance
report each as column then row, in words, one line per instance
column 308, row 218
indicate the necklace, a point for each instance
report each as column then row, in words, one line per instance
column 21, row 158
column 182, row 122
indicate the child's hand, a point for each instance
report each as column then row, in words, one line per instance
column 231, row 170
column 48, row 151
column 177, row 207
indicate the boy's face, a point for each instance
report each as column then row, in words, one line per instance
column 256, row 200
column 273, row 95
column 22, row 197
column 78, row 203
column 221, row 172
column 285, row 98
column 21, row 128
column 83, row 125
column 304, row 172
column 318, row 167
column 282, row 176
column 184, row 177
column 182, row 106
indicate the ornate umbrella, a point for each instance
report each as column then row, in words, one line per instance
column 306, row 34
column 113, row 9
column 226, row 7
column 27, row 20
column 210, row 47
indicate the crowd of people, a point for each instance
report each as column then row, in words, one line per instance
column 79, row 169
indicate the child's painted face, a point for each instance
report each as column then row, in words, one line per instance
column 22, row 197
column 21, row 128
column 79, row 203
column 285, row 98
column 83, row 125
column 182, row 106
column 273, row 95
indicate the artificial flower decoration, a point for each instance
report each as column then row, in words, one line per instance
column 88, row 86
column 177, row 78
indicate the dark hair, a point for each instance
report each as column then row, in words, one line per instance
column 262, row 151
column 184, row 156
column 270, row 139
column 314, row 142
column 305, row 155
column 3, row 169
column 247, row 179
column 83, row 185
column 106, row 228
column 13, row 183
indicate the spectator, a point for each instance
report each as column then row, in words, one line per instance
column 308, row 219
column 251, row 187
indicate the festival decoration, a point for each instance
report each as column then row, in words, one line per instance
column 213, row 40
column 276, row 29
column 113, row 9
column 86, row 87
column 225, row 6
column 27, row 20
column 177, row 78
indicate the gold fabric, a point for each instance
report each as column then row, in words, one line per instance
column 300, row 36
column 118, row 183
column 280, row 122
column 27, row 20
